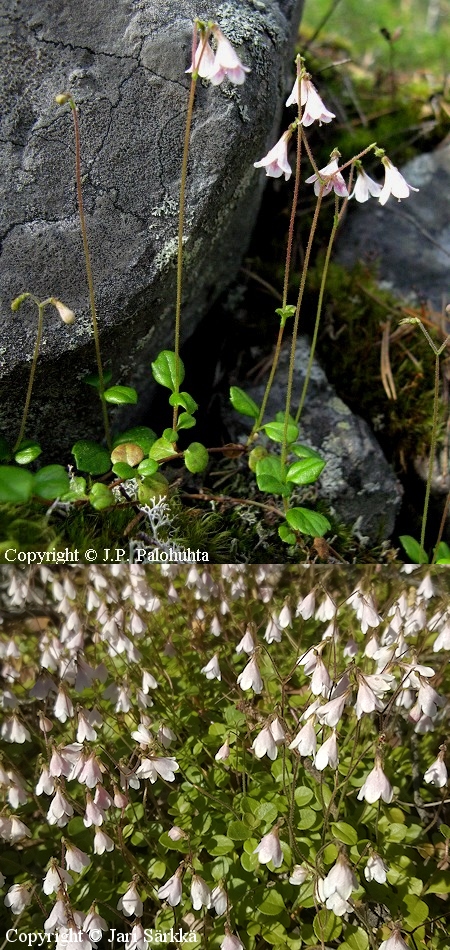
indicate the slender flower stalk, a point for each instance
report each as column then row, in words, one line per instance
column 61, row 100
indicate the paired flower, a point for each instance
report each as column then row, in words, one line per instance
column 436, row 774
column 276, row 161
column 313, row 107
column 171, row 890
column 335, row 889
column 329, row 178
column 225, row 63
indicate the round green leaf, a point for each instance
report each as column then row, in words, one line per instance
column 51, row 482
column 185, row 421
column 184, row 400
column 413, row 549
column 326, row 925
column 147, row 467
column 77, row 490
column 303, row 796
column 121, row 395
column 100, row 497
column 344, row 832
column 286, row 534
column 16, row 485
column 275, row 431
column 139, row 435
column 162, row 449
column 356, row 940
column 27, row 452
column 304, row 451
column 307, row 818
column 123, row 470
column 93, row 379
column 269, row 476
column 243, row 403
column 164, row 370
column 305, row 471
column 307, row 522
column 196, row 457
column 220, row 844
column 272, row 904
column 238, row 831
column 91, row 457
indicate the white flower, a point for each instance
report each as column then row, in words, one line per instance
column 131, row 903
column 93, row 922
column 276, row 161
column 265, row 744
column 331, row 712
column 14, row 830
column 90, row 774
column 223, row 753
column 138, row 940
column 212, row 669
column 94, row 815
column 17, row 898
column 176, row 833
column 305, row 740
column 165, row 766
column 375, row 869
column 429, row 700
column 250, row 678
column 394, row 942
column 305, row 607
column 14, row 731
column 148, row 682
column 327, row 609
column 269, row 849
column 285, row 617
column 200, row 893
column 230, row 942
column 76, row 860
column 277, row 731
column 336, row 887
column 226, row 62
column 365, row 186
column 394, row 183
column 298, row 875
column 320, row 680
column 314, row 109
column 54, row 878
column 436, row 774
column 366, row 701
column 246, row 645
column 63, row 708
column 171, row 890
column 219, row 900
column 327, row 754
column 273, row 631
column 376, row 786
column 60, row 810
column 85, row 730
column 329, row 178
column 102, row 842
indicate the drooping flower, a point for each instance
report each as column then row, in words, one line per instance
column 394, row 942
column 230, row 942
column 176, row 833
column 200, row 893
column 269, row 849
column 314, row 109
column 436, row 774
column 364, row 187
column 138, row 940
column 336, row 887
column 94, row 922
column 171, row 890
column 219, row 900
column 276, row 161
column 76, row 859
column 212, row 669
column 166, row 766
column 329, row 178
column 394, row 183
column 102, row 842
column 376, row 786
column 223, row 753
column 14, row 731
column 226, row 62
column 60, row 810
column 131, row 903
column 265, row 744
column 327, row 754
column 17, row 898
column 246, row 645
column 306, row 606
column 375, row 869
column 54, row 878
column 298, row 874
column 250, row 678
column 305, row 741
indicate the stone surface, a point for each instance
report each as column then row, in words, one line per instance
column 124, row 63
column 357, row 481
column 409, row 239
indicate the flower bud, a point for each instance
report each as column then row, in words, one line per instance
column 62, row 98
column 67, row 316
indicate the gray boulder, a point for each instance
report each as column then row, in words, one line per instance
column 357, row 481
column 125, row 66
column 409, row 239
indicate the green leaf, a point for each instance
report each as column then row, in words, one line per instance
column 162, row 449
column 170, row 435
column 304, row 452
column 272, row 903
column 147, row 467
column 266, row 811
column 326, row 925
column 28, row 451
column 445, row 830
column 185, row 421
column 140, row 435
column 357, row 940
column 100, row 497
column 51, row 482
column 305, row 471
column 93, row 379
column 77, row 489
column 164, row 370
column 307, row 818
column 302, row 796
column 220, row 844
column 196, row 457
column 153, row 486
column 123, row 470
column 238, row 831
column 344, row 832
column 443, row 550
column 413, row 549
column 418, row 911
column 275, row 431
column 243, row 403
column 307, row 522
column 439, row 884
column 121, row 395
column 269, row 476
column 91, row 457
column 185, row 400
column 16, row 485
column 286, row 534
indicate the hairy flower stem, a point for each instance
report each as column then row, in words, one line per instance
column 295, row 327
column 87, row 258
column 319, row 308
column 287, row 269
column 181, row 210
column 41, row 308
